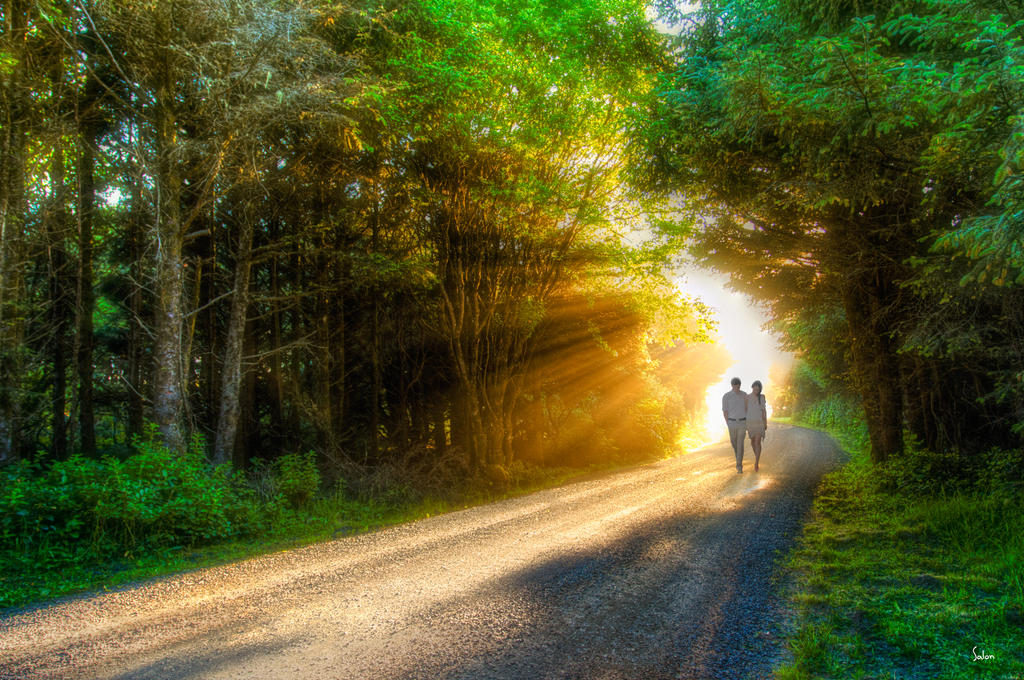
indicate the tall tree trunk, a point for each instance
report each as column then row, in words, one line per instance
column 465, row 432
column 321, row 314
column 248, row 440
column 913, row 374
column 299, row 324
column 875, row 364
column 375, row 357
column 337, row 358
column 440, row 426
column 86, row 296
column 475, row 432
column 276, row 357
column 168, row 390
column 508, row 415
column 231, row 372
column 136, row 330
column 16, row 114
column 209, row 381
column 1013, row 312
column 337, row 340
column 59, row 307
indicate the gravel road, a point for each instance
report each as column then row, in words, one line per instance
column 663, row 571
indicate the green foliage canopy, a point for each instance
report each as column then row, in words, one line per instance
column 856, row 163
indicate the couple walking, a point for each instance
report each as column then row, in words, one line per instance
column 745, row 413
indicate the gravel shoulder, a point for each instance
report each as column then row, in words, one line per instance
column 669, row 570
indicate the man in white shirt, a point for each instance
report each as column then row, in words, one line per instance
column 734, row 409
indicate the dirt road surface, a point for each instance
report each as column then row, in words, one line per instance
column 668, row 570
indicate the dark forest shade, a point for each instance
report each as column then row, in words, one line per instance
column 363, row 230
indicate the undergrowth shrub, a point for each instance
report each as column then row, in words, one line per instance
column 917, row 471
column 834, row 412
column 298, row 478
column 840, row 415
column 926, row 473
column 82, row 510
column 289, row 482
column 651, row 430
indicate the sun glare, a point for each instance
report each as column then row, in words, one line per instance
column 754, row 351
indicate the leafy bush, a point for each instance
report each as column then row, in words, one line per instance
column 81, row 509
column 919, row 471
column 651, row 428
column 298, row 478
column 841, row 416
column 922, row 472
column 834, row 412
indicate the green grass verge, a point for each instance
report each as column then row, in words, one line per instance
column 324, row 518
column 891, row 586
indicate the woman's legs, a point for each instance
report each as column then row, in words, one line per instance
column 755, row 444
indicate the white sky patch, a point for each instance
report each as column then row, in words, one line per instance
column 667, row 28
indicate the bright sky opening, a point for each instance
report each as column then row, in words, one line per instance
column 754, row 350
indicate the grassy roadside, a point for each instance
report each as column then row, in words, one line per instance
column 906, row 586
column 324, row 518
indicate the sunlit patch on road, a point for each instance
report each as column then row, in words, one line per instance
column 746, row 483
column 622, row 514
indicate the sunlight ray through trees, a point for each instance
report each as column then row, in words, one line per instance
column 371, row 230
